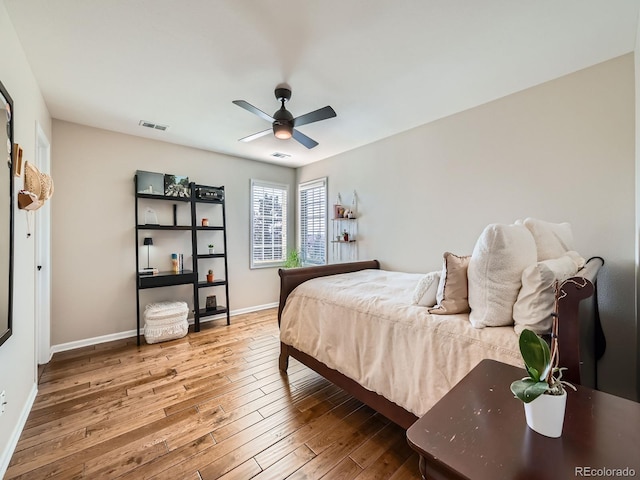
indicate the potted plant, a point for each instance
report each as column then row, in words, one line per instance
column 211, row 249
column 293, row 259
column 542, row 392
column 210, row 276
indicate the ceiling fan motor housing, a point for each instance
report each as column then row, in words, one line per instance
column 283, row 94
column 283, row 123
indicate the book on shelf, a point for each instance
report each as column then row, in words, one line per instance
column 177, row 262
column 148, row 271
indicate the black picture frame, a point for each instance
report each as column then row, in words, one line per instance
column 212, row 303
column 150, row 183
column 6, row 187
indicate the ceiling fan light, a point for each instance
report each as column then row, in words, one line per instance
column 282, row 131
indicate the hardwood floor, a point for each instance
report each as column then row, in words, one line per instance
column 207, row 406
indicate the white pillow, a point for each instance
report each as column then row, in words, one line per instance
column 495, row 273
column 425, row 292
column 552, row 239
column 535, row 302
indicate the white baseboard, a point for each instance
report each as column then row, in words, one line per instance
column 5, row 458
column 63, row 347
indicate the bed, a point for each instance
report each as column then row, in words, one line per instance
column 354, row 324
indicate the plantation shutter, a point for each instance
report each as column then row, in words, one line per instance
column 268, row 224
column 312, row 208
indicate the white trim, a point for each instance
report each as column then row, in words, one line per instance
column 17, row 431
column 42, row 277
column 87, row 342
column 63, row 347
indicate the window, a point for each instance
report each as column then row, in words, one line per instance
column 312, row 227
column 268, row 224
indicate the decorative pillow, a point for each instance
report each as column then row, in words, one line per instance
column 552, row 239
column 535, row 302
column 495, row 273
column 425, row 292
column 452, row 294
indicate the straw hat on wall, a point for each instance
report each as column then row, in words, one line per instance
column 37, row 183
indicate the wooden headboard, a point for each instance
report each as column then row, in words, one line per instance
column 581, row 340
column 290, row 278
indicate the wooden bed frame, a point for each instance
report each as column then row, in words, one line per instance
column 580, row 338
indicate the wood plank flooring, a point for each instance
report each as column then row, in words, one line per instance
column 210, row 405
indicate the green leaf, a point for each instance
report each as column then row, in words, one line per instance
column 528, row 389
column 536, row 355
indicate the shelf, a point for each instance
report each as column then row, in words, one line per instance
column 164, row 227
column 344, row 250
column 187, row 277
column 207, row 200
column 166, row 279
column 150, row 196
column 215, row 283
column 210, row 255
column 203, row 312
column 213, row 228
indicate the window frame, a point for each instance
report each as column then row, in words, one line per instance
column 284, row 191
column 309, row 185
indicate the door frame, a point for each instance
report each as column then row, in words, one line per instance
column 43, row 258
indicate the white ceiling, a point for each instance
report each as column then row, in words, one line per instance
column 384, row 66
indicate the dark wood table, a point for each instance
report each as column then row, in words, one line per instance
column 478, row 431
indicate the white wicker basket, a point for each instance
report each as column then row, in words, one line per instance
column 165, row 321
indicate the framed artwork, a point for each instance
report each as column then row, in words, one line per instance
column 150, row 183
column 17, row 160
column 212, row 303
column 176, row 186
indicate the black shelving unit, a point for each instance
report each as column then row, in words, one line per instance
column 184, row 277
column 198, row 198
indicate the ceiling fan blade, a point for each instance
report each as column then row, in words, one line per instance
column 255, row 135
column 252, row 109
column 315, row 116
column 303, row 139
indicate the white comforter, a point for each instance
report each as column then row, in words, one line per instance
column 364, row 325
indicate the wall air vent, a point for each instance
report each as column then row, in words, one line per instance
column 155, row 126
column 280, row 155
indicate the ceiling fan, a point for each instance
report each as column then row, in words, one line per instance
column 283, row 123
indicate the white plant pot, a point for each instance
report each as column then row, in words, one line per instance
column 211, row 251
column 545, row 414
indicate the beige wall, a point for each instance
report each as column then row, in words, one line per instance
column 93, row 227
column 17, row 355
column 561, row 151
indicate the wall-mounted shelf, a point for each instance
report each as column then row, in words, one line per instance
column 344, row 250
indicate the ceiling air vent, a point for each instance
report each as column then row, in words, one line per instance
column 280, row 155
column 155, row 126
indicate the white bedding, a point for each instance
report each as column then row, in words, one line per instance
column 364, row 325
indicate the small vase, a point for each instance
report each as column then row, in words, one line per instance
column 211, row 251
column 210, row 278
column 545, row 414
